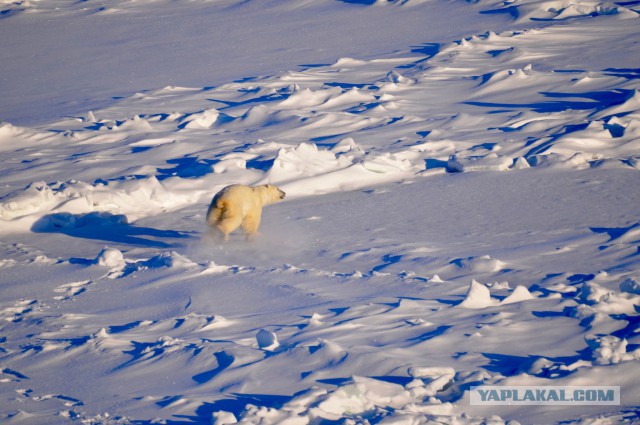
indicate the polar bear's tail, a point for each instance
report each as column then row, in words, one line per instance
column 214, row 213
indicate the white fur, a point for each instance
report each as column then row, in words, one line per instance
column 239, row 205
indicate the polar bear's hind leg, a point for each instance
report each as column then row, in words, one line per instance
column 228, row 219
column 251, row 223
column 228, row 225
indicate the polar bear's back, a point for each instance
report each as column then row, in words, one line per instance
column 235, row 199
column 232, row 193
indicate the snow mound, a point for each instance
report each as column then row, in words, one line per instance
column 165, row 260
column 377, row 400
column 305, row 169
column 34, row 198
column 387, row 163
column 520, row 293
column 13, row 135
column 203, row 119
column 561, row 10
column 478, row 265
column 607, row 300
column 308, row 98
column 267, row 340
column 489, row 162
column 304, row 160
column 111, row 258
column 478, row 296
column 66, row 200
column 610, row 350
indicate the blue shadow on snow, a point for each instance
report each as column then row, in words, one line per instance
column 594, row 100
column 106, row 227
column 188, row 167
column 236, row 405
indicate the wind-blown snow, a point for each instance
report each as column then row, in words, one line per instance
column 458, row 213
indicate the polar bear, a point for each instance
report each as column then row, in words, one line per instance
column 239, row 205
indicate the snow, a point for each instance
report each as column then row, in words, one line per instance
column 478, row 296
column 462, row 209
column 267, row 340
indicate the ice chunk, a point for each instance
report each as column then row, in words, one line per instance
column 609, row 349
column 429, row 380
column 363, row 395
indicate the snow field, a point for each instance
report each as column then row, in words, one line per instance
column 457, row 215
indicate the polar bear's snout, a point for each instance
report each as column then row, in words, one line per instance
column 282, row 194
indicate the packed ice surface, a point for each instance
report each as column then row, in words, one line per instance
column 462, row 186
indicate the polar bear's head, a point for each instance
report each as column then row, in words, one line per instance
column 269, row 193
